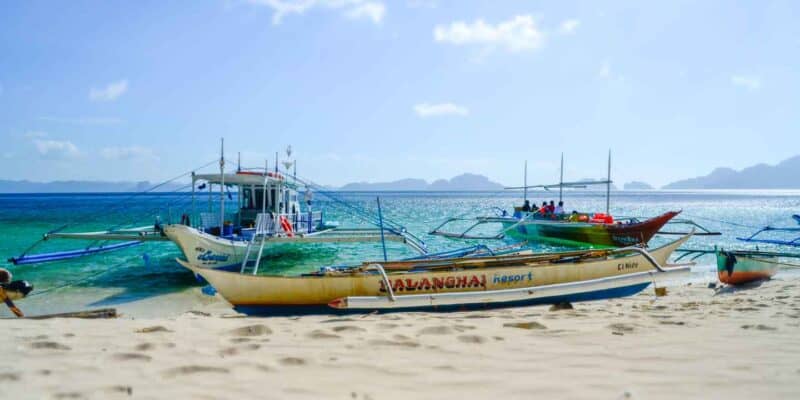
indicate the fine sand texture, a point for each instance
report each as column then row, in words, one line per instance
column 696, row 342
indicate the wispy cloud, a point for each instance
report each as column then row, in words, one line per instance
column 84, row 120
column 569, row 26
column 517, row 34
column 746, row 81
column 110, row 92
column 128, row 153
column 35, row 135
column 352, row 9
column 605, row 70
column 426, row 110
column 49, row 148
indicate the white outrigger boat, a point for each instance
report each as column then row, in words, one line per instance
column 266, row 212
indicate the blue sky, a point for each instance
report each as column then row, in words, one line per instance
column 371, row 90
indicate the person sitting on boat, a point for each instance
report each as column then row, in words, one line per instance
column 560, row 208
column 551, row 209
column 543, row 209
column 527, row 206
column 574, row 217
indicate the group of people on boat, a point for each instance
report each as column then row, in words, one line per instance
column 546, row 209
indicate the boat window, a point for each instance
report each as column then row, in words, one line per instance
column 259, row 198
column 272, row 197
column 247, row 198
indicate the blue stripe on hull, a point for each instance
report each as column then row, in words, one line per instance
column 286, row 310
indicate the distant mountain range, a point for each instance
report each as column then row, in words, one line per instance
column 464, row 182
column 636, row 185
column 81, row 187
column 784, row 175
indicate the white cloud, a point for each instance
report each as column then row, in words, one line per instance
column 369, row 10
column 426, row 110
column 569, row 26
column 517, row 34
column 352, row 9
column 56, row 148
column 128, row 153
column 749, row 82
column 111, row 92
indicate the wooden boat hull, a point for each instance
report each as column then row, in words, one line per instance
column 280, row 295
column 736, row 268
column 584, row 233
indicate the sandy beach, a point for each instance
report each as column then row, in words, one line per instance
column 696, row 342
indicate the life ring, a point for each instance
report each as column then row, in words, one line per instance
column 287, row 227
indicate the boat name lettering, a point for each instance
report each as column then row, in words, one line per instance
column 501, row 279
column 435, row 283
column 627, row 265
column 209, row 255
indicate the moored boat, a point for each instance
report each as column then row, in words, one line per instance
column 739, row 267
column 587, row 274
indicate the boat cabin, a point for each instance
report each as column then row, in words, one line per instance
column 250, row 193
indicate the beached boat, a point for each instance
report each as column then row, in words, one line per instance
column 738, row 267
column 465, row 283
column 263, row 210
column 577, row 229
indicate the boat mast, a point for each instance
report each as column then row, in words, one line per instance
column 525, row 189
column 608, row 184
column 264, row 196
column 221, row 185
column 561, row 180
column 194, row 211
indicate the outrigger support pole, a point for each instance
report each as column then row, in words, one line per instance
column 525, row 190
column 221, row 186
column 561, row 181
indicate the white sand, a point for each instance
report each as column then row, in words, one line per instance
column 689, row 344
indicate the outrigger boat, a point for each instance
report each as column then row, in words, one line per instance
column 736, row 267
column 267, row 212
column 596, row 230
column 448, row 284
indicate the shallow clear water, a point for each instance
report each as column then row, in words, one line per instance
column 148, row 270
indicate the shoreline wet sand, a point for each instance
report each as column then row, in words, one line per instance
column 696, row 342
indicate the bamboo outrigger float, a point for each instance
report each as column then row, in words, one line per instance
column 448, row 284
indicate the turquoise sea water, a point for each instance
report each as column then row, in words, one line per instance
column 143, row 272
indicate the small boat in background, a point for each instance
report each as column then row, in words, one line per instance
column 736, row 267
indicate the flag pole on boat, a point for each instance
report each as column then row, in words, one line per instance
column 608, row 184
column 221, row 186
column 561, row 181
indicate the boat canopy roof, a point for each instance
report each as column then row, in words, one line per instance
column 244, row 178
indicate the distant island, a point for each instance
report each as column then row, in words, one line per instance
column 7, row 186
column 636, row 185
column 463, row 182
column 784, row 175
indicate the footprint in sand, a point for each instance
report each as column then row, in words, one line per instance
column 145, row 346
column 193, row 369
column 320, row 334
column 131, row 357
column 399, row 343
column 760, row 327
column 472, row 339
column 384, row 325
column 49, row 346
column 618, row 328
column 9, row 377
column 151, row 329
column 292, row 361
column 251, row 330
column 435, row 330
column 525, row 325
column 69, row 395
column 348, row 328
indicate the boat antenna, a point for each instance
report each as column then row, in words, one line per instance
column 525, row 190
column 264, row 193
column 221, row 184
column 608, row 184
column 276, row 162
column 239, row 162
column 561, row 180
